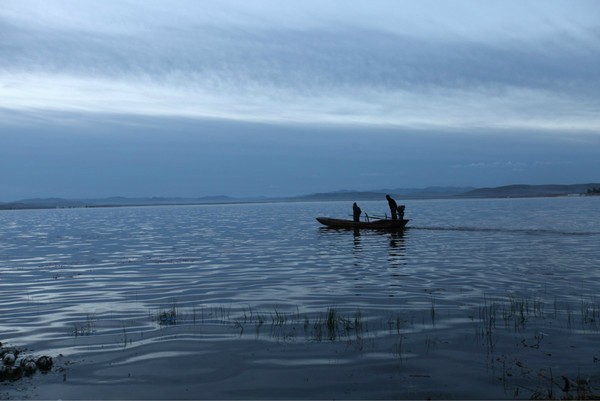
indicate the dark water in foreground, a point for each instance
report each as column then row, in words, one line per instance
column 478, row 299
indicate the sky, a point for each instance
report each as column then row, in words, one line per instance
column 245, row 98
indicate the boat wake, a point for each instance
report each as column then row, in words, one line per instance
column 529, row 231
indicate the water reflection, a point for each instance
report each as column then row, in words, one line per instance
column 397, row 251
column 357, row 248
column 397, row 240
column 356, row 238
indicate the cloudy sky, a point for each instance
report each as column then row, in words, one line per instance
column 267, row 97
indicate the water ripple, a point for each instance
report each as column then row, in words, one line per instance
column 68, row 270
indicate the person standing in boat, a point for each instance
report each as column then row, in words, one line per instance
column 356, row 212
column 393, row 207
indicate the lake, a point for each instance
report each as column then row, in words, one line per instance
column 477, row 299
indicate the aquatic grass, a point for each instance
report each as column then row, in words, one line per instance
column 563, row 388
column 580, row 388
column 332, row 323
column 487, row 318
column 125, row 336
column 527, row 317
column 590, row 313
column 521, row 309
column 542, row 383
column 223, row 313
column 260, row 319
column 570, row 319
column 87, row 328
column 499, row 322
column 167, row 316
column 587, row 313
column 278, row 318
column 514, row 311
column 306, row 325
column 517, row 312
column 194, row 313
column 358, row 324
column 318, row 330
column 398, row 348
column 327, row 326
column 240, row 322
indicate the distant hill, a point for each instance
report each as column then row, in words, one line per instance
column 429, row 192
column 379, row 194
column 52, row 203
column 524, row 191
column 508, row 191
column 339, row 196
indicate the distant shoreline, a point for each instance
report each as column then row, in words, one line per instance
column 509, row 191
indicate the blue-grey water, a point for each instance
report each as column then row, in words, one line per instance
column 69, row 272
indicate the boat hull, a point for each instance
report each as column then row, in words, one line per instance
column 383, row 224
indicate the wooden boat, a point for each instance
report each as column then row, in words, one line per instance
column 382, row 224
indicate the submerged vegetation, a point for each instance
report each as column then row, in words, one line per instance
column 331, row 325
column 521, row 338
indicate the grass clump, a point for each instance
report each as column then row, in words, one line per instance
column 332, row 323
column 565, row 388
column 87, row 328
column 168, row 316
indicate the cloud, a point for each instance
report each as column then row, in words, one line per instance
column 514, row 108
column 431, row 65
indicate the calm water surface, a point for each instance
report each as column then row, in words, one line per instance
column 120, row 267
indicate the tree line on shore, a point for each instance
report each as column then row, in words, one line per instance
column 593, row 191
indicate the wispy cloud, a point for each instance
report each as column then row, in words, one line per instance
column 409, row 64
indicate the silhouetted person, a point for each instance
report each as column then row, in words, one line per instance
column 393, row 207
column 401, row 212
column 356, row 212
